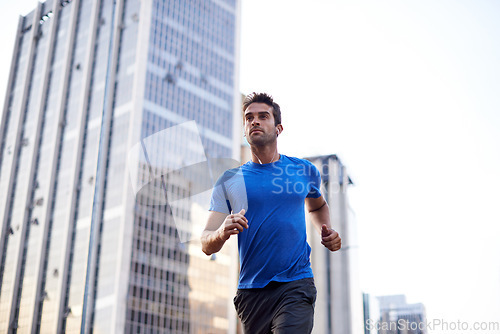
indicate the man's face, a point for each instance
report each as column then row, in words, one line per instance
column 259, row 124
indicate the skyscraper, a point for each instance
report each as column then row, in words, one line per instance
column 339, row 306
column 371, row 313
column 118, row 114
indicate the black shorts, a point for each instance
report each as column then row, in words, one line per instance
column 277, row 308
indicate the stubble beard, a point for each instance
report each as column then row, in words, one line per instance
column 261, row 140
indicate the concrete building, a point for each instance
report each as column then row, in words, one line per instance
column 339, row 308
column 114, row 113
column 399, row 317
column 371, row 313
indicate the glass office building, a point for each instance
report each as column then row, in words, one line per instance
column 118, row 116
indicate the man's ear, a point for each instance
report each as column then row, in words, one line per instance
column 279, row 129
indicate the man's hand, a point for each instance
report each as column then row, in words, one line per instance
column 233, row 224
column 330, row 238
column 219, row 228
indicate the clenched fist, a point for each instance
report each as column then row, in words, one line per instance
column 233, row 224
column 330, row 238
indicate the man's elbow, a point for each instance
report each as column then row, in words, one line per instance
column 206, row 250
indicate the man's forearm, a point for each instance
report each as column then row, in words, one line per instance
column 321, row 220
column 211, row 242
column 320, row 217
column 215, row 235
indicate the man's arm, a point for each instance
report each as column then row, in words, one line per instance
column 319, row 213
column 219, row 228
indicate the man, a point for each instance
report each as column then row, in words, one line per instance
column 263, row 203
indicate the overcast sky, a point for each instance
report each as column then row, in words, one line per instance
column 406, row 93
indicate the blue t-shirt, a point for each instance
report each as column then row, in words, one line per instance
column 274, row 247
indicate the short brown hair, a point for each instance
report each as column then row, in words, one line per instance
column 263, row 98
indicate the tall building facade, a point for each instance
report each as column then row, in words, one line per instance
column 371, row 313
column 339, row 308
column 118, row 116
column 397, row 316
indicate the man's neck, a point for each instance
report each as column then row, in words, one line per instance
column 264, row 154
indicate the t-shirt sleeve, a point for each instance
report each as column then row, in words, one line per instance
column 314, row 182
column 219, row 201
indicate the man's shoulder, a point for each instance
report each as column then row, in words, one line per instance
column 229, row 174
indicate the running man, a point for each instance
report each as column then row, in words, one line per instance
column 264, row 202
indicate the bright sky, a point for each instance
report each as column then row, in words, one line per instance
column 406, row 93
